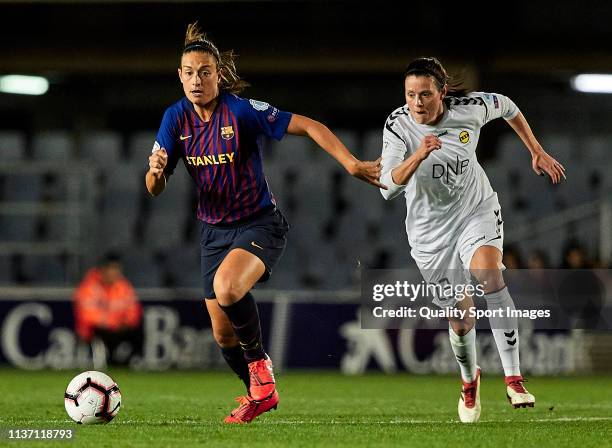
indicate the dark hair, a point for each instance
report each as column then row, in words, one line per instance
column 195, row 40
column 432, row 67
column 109, row 258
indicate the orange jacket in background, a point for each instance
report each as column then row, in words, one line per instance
column 108, row 306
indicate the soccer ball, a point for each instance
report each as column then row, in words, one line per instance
column 92, row 397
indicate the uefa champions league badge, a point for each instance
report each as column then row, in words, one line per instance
column 259, row 105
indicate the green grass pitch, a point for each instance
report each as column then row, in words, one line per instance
column 316, row 409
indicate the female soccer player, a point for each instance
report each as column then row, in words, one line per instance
column 220, row 136
column 453, row 218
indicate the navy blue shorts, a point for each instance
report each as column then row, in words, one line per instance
column 264, row 235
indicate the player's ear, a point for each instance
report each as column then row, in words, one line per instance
column 179, row 73
column 444, row 91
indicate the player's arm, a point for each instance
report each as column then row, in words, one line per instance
column 497, row 106
column 155, row 179
column 541, row 161
column 397, row 170
column 367, row 171
column 402, row 173
column 164, row 157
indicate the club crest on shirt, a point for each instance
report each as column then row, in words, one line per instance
column 227, row 133
column 464, row 137
column 259, row 105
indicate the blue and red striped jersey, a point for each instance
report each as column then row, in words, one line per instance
column 224, row 154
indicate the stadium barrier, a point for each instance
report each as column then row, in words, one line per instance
column 302, row 330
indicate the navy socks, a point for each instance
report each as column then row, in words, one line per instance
column 244, row 318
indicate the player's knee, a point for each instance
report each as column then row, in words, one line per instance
column 463, row 326
column 492, row 281
column 227, row 289
column 461, row 331
column 490, row 277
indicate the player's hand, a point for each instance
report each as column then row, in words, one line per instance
column 542, row 162
column 428, row 144
column 158, row 161
column 368, row 172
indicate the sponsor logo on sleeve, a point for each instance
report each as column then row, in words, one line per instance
column 495, row 101
column 464, row 137
column 273, row 115
column 259, row 105
column 477, row 240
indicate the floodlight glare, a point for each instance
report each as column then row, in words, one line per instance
column 592, row 83
column 24, row 85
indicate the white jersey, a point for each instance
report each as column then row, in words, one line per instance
column 450, row 184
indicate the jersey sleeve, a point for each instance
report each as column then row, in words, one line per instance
column 167, row 137
column 263, row 119
column 498, row 106
column 393, row 153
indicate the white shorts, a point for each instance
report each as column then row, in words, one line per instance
column 451, row 265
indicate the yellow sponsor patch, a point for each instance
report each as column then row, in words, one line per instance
column 464, row 137
column 213, row 159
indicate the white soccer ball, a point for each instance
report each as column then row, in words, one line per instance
column 92, row 397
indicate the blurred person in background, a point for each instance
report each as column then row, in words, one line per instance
column 575, row 256
column 108, row 314
column 220, row 137
column 580, row 291
column 512, row 258
column 454, row 220
column 537, row 286
column 538, row 259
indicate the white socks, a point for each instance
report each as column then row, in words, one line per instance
column 505, row 331
column 464, row 348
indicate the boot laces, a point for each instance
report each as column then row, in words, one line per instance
column 469, row 394
column 246, row 409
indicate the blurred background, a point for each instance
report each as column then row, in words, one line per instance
column 74, row 158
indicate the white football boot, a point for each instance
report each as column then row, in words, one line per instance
column 517, row 395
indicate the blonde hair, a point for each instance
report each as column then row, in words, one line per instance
column 194, row 34
column 196, row 40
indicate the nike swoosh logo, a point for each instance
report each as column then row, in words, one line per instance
column 185, row 138
column 256, row 245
